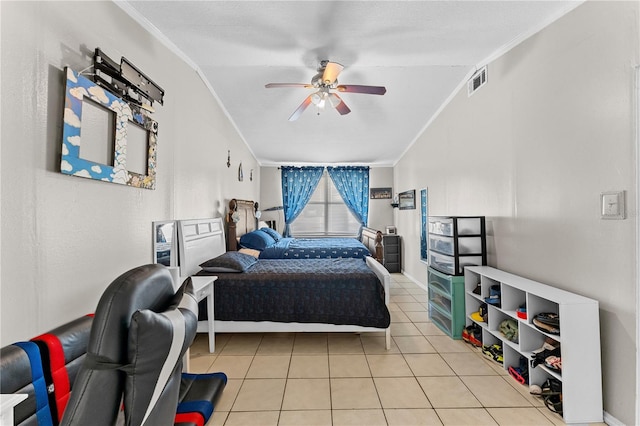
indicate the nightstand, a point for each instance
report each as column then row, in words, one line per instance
column 203, row 288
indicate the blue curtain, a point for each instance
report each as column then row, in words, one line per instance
column 298, row 184
column 353, row 185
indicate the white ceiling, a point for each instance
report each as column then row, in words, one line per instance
column 421, row 51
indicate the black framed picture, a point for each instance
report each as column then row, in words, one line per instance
column 407, row 200
column 380, row 193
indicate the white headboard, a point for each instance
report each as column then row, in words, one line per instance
column 199, row 240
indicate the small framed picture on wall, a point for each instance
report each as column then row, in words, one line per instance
column 407, row 200
column 380, row 193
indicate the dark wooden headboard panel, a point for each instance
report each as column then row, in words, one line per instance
column 240, row 220
column 372, row 239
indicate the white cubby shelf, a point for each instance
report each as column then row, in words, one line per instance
column 579, row 336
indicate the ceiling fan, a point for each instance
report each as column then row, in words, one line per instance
column 326, row 83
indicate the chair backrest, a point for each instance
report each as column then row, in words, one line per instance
column 99, row 387
column 21, row 372
column 63, row 350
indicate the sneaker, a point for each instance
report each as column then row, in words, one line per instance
column 548, row 322
column 494, row 295
column 473, row 334
column 494, row 352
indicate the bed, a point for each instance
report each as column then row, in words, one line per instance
column 245, row 232
column 286, row 295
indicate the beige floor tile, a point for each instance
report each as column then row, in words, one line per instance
column 276, row 344
column 200, row 344
column 468, row 364
column 403, row 298
column 260, row 395
column 448, row 392
column 399, row 317
column 358, row 418
column 393, row 307
column 465, row 417
column 399, row 277
column 305, row 417
column 309, row 366
column 520, row 416
column 217, row 418
column 400, row 392
column 376, row 345
column 501, row 394
column 348, row 366
column 429, row 329
column 269, row 367
column 344, row 343
column 411, row 417
column 524, row 391
column 388, row 366
column 404, row 329
column 557, row 419
column 310, row 343
column 414, row 345
column 253, row 418
column 353, row 393
column 495, row 366
column 418, row 316
column 398, row 291
column 200, row 363
column 428, row 365
column 447, row 344
column 307, row 394
column 235, row 367
column 229, row 395
column 418, row 291
column 412, row 307
column 242, row 344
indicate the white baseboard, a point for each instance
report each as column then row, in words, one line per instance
column 610, row 420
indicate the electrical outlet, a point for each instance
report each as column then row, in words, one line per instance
column 612, row 205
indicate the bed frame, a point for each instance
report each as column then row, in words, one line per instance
column 202, row 239
column 245, row 221
column 246, row 215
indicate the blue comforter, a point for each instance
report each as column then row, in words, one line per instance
column 327, row 291
column 315, row 248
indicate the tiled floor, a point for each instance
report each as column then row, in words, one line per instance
column 426, row 378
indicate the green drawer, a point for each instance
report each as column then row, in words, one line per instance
column 446, row 302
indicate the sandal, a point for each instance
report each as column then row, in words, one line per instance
column 553, row 362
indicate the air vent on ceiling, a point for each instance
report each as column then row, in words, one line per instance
column 478, row 80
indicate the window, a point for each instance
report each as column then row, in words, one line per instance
column 326, row 214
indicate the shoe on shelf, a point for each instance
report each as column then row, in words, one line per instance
column 493, row 352
column 472, row 334
column 494, row 295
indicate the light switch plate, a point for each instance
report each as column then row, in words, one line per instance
column 612, row 205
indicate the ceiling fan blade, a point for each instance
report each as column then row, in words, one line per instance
column 272, row 85
column 339, row 104
column 331, row 71
column 355, row 88
column 298, row 112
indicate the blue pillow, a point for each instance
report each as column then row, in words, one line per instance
column 274, row 234
column 231, row 261
column 256, row 240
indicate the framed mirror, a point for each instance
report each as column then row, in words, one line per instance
column 164, row 243
column 99, row 129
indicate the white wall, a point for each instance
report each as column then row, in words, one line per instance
column 380, row 211
column 532, row 151
column 64, row 238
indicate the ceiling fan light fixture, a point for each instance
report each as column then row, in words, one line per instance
column 319, row 99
